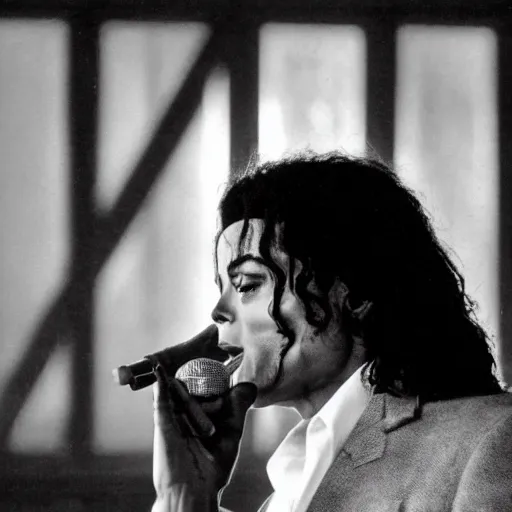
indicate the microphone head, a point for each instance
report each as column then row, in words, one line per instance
column 204, row 377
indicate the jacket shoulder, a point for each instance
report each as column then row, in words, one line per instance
column 486, row 483
column 476, row 413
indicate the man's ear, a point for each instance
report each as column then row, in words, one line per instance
column 338, row 298
column 360, row 312
column 340, row 295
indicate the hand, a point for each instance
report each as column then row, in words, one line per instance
column 195, row 443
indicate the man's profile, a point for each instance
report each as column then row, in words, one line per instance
column 347, row 308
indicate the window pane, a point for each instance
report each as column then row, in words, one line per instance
column 446, row 145
column 158, row 288
column 33, row 209
column 142, row 67
column 42, row 424
column 312, row 88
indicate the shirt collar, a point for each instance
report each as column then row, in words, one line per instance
column 336, row 419
column 343, row 410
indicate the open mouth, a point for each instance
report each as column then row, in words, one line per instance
column 234, row 360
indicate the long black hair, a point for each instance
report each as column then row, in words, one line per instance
column 353, row 220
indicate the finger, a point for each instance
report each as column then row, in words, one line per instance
column 230, row 424
column 165, row 413
column 161, row 397
column 211, row 406
column 217, row 405
column 200, row 424
column 241, row 397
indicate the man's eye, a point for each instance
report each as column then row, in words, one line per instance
column 247, row 288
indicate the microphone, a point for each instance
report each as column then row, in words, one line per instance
column 204, row 377
column 140, row 374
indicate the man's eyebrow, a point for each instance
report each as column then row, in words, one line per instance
column 233, row 265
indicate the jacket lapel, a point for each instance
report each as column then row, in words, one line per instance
column 366, row 443
column 384, row 413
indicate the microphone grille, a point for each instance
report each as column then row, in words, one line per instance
column 204, row 377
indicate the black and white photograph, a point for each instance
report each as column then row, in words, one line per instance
column 256, row 256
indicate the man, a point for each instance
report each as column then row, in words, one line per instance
column 348, row 309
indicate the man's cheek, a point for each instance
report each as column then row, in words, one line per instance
column 260, row 360
column 247, row 372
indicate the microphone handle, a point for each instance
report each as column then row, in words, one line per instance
column 141, row 373
column 142, row 381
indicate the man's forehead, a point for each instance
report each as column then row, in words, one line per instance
column 231, row 238
column 231, row 245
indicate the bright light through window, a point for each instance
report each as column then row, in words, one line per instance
column 312, row 89
column 446, row 145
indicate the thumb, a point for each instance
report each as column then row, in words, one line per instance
column 241, row 397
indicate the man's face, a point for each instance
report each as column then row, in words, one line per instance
column 243, row 317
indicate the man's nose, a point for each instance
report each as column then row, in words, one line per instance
column 222, row 313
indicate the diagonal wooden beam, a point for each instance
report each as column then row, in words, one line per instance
column 109, row 231
column 48, row 333
column 162, row 145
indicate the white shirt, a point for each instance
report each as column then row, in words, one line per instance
column 300, row 462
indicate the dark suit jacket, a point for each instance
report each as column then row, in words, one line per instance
column 452, row 455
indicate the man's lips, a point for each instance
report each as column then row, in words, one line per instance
column 232, row 350
column 235, row 356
